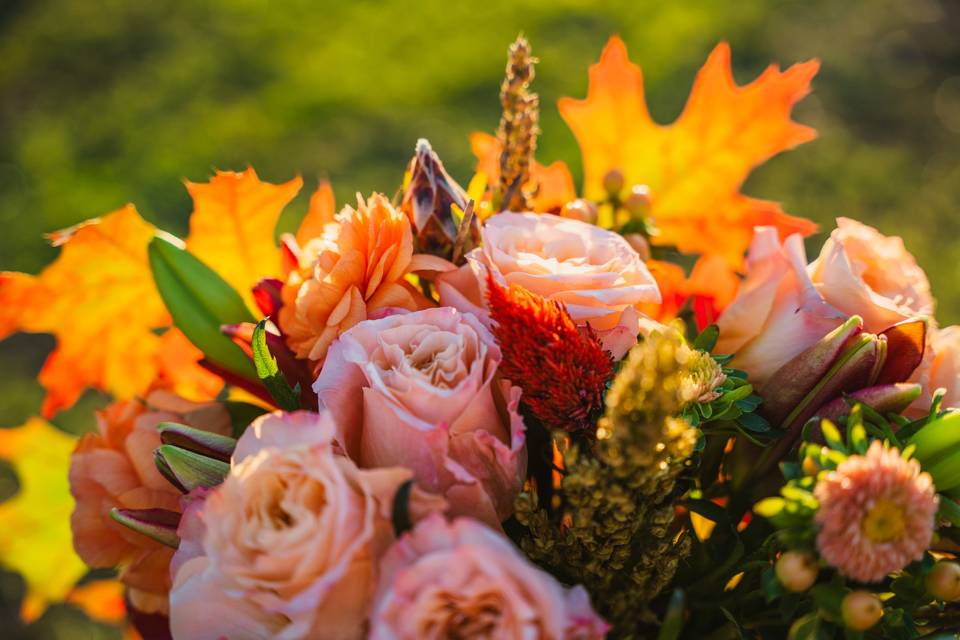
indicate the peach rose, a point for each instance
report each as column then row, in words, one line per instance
column 464, row 580
column 356, row 267
column 944, row 369
column 288, row 545
column 596, row 273
column 114, row 468
column 777, row 313
column 862, row 272
column 419, row 390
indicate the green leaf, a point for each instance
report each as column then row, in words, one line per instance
column 286, row 397
column 707, row 339
column 949, row 510
column 769, row 507
column 753, row 422
column 673, row 620
column 200, row 302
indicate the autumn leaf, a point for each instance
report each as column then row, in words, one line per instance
column 320, row 213
column 99, row 300
column 553, row 183
column 101, row 600
column 35, row 538
column 695, row 166
column 179, row 369
column 232, row 226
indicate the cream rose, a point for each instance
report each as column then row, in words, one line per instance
column 778, row 312
column 944, row 371
column 863, row 272
column 464, row 580
column 596, row 273
column 288, row 545
column 420, row 390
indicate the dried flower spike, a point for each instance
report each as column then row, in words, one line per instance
column 518, row 129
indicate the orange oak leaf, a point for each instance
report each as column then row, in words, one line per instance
column 695, row 166
column 320, row 213
column 232, row 226
column 553, row 182
column 179, row 369
column 98, row 299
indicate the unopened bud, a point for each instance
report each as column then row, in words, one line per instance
column 810, row 467
column 580, row 209
column 796, row 571
column 639, row 244
column 613, row 182
column 638, row 200
column 861, row 610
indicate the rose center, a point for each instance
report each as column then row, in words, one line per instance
column 461, row 619
column 884, row 521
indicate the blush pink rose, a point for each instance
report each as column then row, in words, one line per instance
column 464, row 580
column 862, row 272
column 600, row 278
column 944, row 371
column 420, row 390
column 778, row 312
column 288, row 546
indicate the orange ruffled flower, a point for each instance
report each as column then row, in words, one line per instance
column 355, row 268
column 562, row 370
column 114, row 468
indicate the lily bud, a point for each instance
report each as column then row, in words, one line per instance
column 428, row 200
column 205, row 443
column 861, row 610
column 157, row 524
column 187, row 470
column 938, row 450
column 200, row 301
column 886, row 398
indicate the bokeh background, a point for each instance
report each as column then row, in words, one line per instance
column 104, row 102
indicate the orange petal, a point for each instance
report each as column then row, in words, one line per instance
column 323, row 208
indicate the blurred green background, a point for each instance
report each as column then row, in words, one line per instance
column 104, row 102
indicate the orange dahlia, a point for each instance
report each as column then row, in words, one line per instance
column 355, row 268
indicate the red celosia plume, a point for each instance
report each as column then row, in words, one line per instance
column 563, row 372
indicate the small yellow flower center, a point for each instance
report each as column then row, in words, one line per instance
column 884, row 522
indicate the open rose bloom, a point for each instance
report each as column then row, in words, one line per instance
column 596, row 274
column 421, row 390
column 508, row 410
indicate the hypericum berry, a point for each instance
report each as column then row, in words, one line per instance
column 580, row 209
column 810, row 467
column 613, row 182
column 861, row 610
column 796, row 570
column 638, row 201
column 943, row 581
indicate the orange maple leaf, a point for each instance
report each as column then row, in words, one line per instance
column 695, row 166
column 232, row 226
column 553, row 182
column 99, row 300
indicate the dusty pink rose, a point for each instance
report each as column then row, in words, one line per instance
column 420, row 390
column 464, row 580
column 862, row 272
column 876, row 514
column 944, row 371
column 596, row 273
column 288, row 545
column 113, row 467
column 777, row 312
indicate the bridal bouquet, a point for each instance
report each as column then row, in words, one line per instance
column 507, row 410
